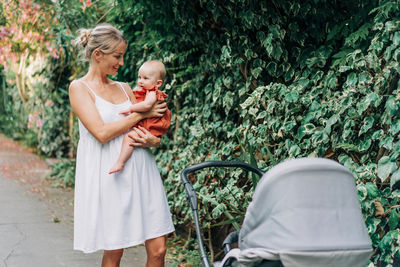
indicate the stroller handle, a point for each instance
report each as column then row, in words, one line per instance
column 191, row 194
column 208, row 164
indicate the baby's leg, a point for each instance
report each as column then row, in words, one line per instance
column 126, row 152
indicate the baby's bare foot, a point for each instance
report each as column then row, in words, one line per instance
column 116, row 168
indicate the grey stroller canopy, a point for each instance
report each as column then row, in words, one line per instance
column 304, row 212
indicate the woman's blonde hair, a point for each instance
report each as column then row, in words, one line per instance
column 103, row 37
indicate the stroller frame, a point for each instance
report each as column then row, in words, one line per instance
column 193, row 201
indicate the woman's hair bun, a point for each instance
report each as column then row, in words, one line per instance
column 83, row 38
column 104, row 37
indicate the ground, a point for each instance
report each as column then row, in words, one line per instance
column 20, row 166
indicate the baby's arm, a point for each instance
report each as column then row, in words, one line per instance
column 143, row 106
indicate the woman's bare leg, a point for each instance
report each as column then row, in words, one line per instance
column 126, row 152
column 112, row 258
column 156, row 249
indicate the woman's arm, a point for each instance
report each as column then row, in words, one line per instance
column 84, row 107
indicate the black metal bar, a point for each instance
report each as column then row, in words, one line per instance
column 191, row 194
column 232, row 238
column 204, row 259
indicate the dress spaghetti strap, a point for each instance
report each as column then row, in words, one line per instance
column 122, row 88
column 91, row 90
column 87, row 85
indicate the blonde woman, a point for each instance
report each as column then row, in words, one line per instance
column 113, row 212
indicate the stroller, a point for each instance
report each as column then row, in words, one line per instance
column 304, row 212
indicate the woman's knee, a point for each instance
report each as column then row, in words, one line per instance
column 158, row 252
column 156, row 248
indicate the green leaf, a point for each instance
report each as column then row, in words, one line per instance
column 368, row 122
column 225, row 52
column 390, row 240
column 372, row 190
column 293, row 96
column 391, row 106
column 294, row 151
column 228, row 101
column 364, row 145
column 396, row 38
column 395, row 178
column 351, row 79
column 305, row 129
column 218, row 210
column 256, row 72
column 277, row 52
column 377, row 134
column 394, row 219
column 227, row 81
column 358, row 35
column 332, row 120
column 395, row 127
column 387, row 142
column 362, row 192
column 385, row 167
column 272, row 68
column 248, row 102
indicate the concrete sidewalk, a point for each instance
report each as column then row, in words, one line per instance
column 29, row 237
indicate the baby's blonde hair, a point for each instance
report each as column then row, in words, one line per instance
column 104, row 37
column 158, row 66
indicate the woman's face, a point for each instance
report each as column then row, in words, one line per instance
column 109, row 63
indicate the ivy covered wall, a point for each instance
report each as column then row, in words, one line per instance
column 265, row 81
column 262, row 82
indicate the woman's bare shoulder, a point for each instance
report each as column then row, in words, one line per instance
column 78, row 90
column 75, row 84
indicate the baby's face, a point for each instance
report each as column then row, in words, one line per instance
column 147, row 77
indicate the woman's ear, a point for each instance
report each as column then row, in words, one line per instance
column 97, row 54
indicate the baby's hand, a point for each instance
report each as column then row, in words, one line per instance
column 125, row 112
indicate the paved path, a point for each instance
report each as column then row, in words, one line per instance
column 29, row 237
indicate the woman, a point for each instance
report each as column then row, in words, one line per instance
column 113, row 212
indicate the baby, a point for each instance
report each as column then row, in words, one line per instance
column 150, row 78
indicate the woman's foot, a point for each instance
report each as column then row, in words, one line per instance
column 116, row 168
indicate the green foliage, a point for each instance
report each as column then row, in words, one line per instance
column 45, row 120
column 265, row 81
column 186, row 254
column 13, row 116
column 257, row 81
column 63, row 172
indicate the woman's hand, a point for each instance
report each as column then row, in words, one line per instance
column 140, row 137
column 157, row 110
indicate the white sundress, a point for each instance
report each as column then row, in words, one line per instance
column 120, row 210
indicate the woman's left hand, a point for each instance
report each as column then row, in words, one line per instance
column 143, row 138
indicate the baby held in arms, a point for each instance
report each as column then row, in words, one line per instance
column 150, row 78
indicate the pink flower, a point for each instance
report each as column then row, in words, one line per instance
column 31, row 117
column 39, row 123
column 2, row 31
column 49, row 103
column 55, row 53
column 48, row 46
